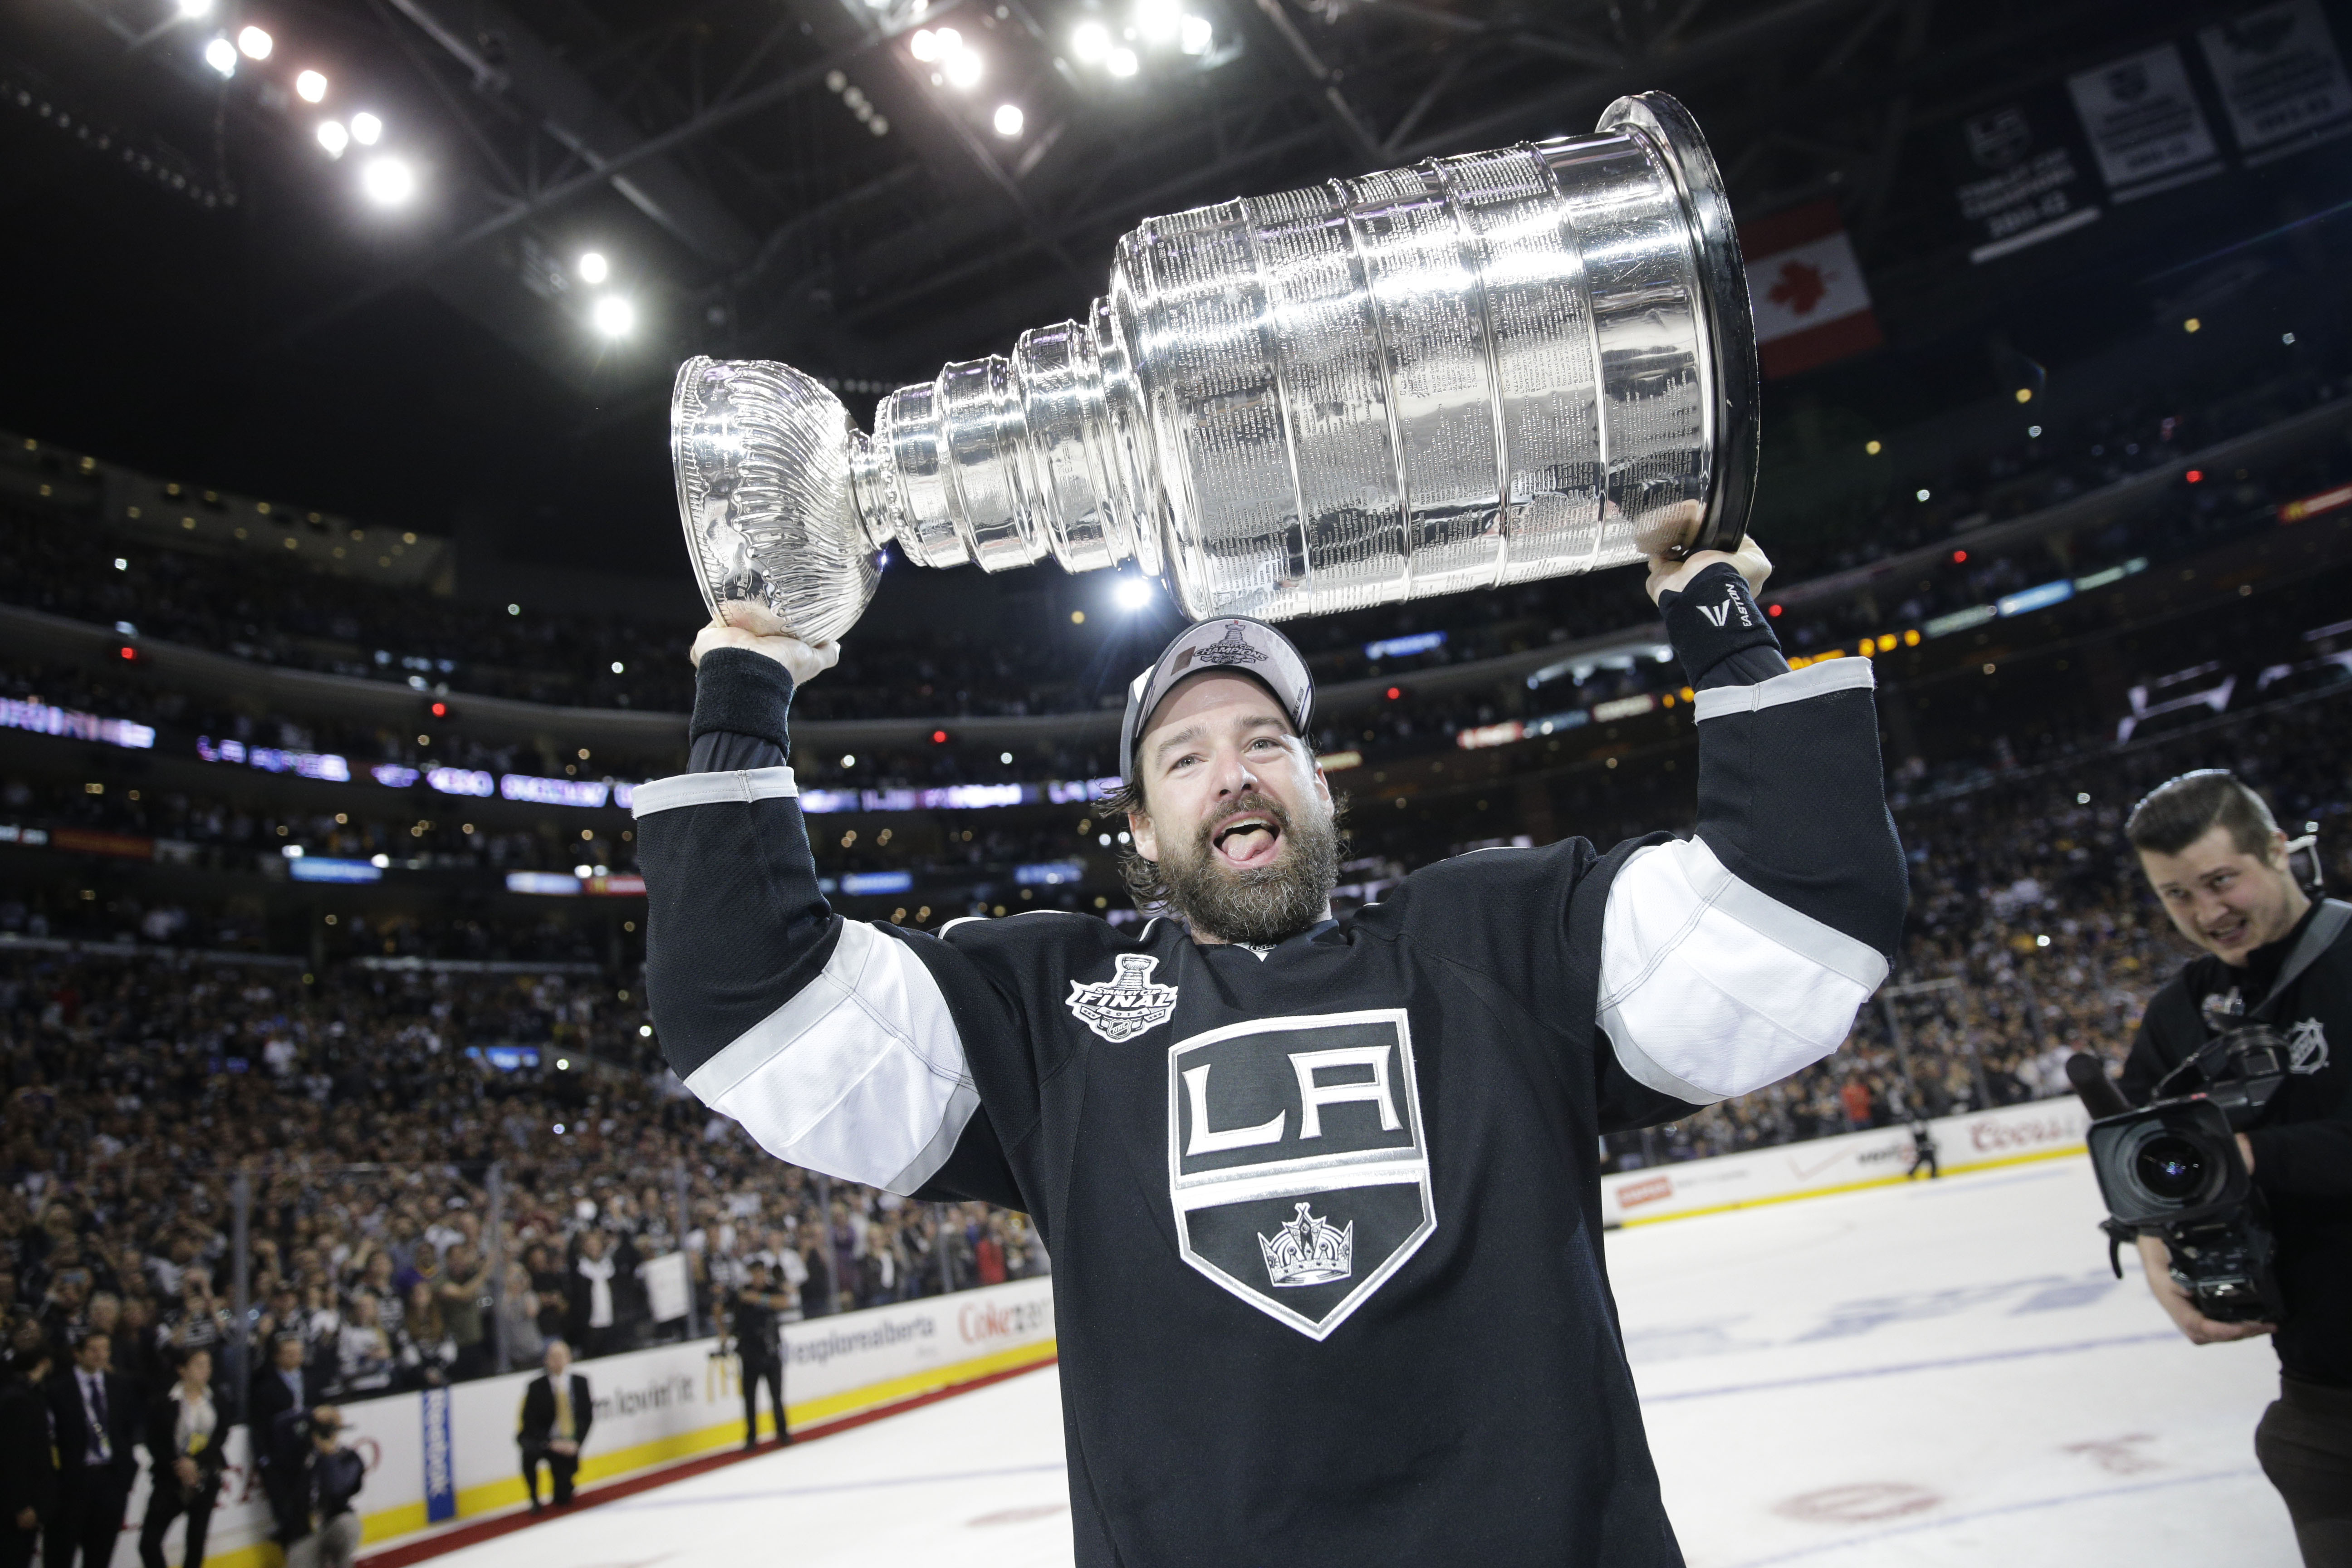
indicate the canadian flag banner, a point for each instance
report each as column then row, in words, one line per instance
column 1811, row 305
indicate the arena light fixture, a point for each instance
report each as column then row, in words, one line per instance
column 333, row 137
column 612, row 316
column 2287, row 338
column 963, row 69
column 1872, row 448
column 1159, row 21
column 1091, row 42
column 618, row 668
column 848, row 759
column 924, row 46
column 2033, row 432
column 1195, row 34
column 1923, row 495
column 311, row 87
column 254, row 44
column 388, row 181
column 2191, row 324
column 1009, row 119
column 221, row 55
column 366, row 129
column 594, row 267
column 1122, row 62
column 1132, row 593
column 2025, row 395
column 192, row 9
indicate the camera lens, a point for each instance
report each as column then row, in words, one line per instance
column 2171, row 1166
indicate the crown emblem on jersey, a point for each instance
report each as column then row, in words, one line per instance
column 1232, row 649
column 1308, row 1251
column 1129, row 1004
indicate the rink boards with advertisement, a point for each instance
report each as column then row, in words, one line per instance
column 448, row 1454
column 2041, row 1130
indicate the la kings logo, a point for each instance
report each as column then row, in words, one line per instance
column 1129, row 1004
column 1297, row 1164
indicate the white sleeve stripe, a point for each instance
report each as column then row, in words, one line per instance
column 1769, row 917
column 1813, row 680
column 1711, row 988
column 713, row 789
column 860, row 1076
column 926, row 1163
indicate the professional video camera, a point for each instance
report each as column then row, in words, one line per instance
column 2172, row 1169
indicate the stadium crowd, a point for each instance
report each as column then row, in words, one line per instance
column 365, row 1114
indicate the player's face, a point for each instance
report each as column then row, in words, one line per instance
column 1240, row 818
column 2225, row 900
column 1213, row 743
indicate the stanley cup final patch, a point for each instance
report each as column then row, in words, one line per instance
column 1129, row 1004
column 1296, row 1163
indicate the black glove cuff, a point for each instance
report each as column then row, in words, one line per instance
column 742, row 693
column 1713, row 618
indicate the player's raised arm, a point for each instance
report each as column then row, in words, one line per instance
column 831, row 1041
column 1741, row 955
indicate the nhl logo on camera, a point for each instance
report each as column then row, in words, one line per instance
column 1297, row 1167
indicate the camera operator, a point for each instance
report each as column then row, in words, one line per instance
column 2218, row 863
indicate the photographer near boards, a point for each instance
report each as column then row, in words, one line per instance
column 2279, row 958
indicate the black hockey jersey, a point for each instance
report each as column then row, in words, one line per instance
column 1325, row 1219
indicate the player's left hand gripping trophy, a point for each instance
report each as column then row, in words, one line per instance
column 1478, row 371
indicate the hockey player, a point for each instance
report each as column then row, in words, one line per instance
column 1323, row 1197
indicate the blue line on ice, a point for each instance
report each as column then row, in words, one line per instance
column 1865, row 1372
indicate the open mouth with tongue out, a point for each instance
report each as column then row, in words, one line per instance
column 1249, row 837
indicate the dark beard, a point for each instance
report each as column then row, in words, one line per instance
column 1262, row 905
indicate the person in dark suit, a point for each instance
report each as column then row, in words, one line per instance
column 283, row 1386
column 29, row 1459
column 184, row 1459
column 752, row 1326
column 96, row 1426
column 557, row 1411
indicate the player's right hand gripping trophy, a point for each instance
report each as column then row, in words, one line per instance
column 1478, row 371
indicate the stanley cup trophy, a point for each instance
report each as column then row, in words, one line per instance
column 1478, row 371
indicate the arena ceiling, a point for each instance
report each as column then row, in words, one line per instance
column 202, row 284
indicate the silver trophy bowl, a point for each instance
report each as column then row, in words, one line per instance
column 1478, row 371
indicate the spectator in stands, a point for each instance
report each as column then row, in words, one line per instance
column 464, row 1293
column 29, row 1469
column 187, row 1453
column 365, row 1362
column 595, row 1297
column 427, row 1353
column 316, row 1520
column 95, row 1422
column 519, row 1339
column 557, row 1412
column 550, row 1291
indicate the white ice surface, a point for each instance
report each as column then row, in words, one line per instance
column 1902, row 1378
